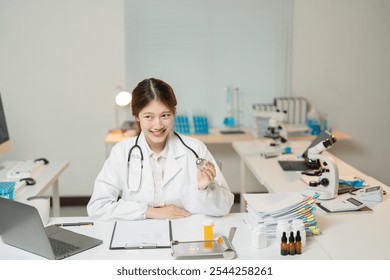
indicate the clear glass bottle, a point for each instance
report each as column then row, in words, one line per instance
column 259, row 236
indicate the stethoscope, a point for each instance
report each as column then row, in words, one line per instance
column 199, row 162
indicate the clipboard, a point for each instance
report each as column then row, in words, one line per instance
column 142, row 234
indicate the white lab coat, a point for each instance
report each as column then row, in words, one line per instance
column 179, row 183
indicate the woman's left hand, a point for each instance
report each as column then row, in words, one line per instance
column 206, row 175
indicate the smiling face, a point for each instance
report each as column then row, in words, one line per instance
column 156, row 121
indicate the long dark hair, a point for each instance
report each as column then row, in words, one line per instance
column 149, row 90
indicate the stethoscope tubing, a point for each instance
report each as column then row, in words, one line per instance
column 136, row 146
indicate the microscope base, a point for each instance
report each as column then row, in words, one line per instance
column 271, row 151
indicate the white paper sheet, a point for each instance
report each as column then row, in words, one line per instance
column 141, row 234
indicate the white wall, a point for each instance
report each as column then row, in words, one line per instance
column 60, row 62
column 341, row 64
column 201, row 47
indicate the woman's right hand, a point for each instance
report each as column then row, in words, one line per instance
column 166, row 212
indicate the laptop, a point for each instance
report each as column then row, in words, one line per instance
column 306, row 163
column 22, row 227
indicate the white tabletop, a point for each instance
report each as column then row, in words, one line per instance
column 343, row 237
column 188, row 229
column 46, row 178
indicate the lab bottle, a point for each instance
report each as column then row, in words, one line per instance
column 313, row 121
column 208, row 226
column 195, row 119
column 298, row 244
column 291, row 244
column 259, row 236
column 324, row 121
column 206, row 125
column 297, row 225
column 229, row 118
column 282, row 226
column 283, row 245
column 186, row 125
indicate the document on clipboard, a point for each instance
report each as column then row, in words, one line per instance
column 144, row 234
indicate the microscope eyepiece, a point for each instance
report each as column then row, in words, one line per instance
column 328, row 143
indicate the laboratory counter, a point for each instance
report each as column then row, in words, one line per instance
column 343, row 236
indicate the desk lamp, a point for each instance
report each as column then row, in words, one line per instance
column 123, row 99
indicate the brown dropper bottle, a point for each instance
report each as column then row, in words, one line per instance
column 291, row 244
column 298, row 243
column 283, row 245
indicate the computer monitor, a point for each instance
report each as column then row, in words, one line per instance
column 5, row 142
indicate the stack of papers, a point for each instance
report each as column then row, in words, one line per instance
column 270, row 208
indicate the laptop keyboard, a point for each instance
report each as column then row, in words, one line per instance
column 61, row 248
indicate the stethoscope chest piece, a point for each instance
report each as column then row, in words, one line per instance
column 200, row 162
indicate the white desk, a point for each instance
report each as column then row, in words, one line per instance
column 214, row 137
column 45, row 179
column 188, row 229
column 344, row 236
column 269, row 173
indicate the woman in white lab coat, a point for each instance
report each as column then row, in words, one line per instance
column 155, row 175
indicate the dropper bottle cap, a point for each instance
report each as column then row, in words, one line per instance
column 284, row 237
column 291, row 239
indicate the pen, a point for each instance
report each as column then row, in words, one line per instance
column 74, row 224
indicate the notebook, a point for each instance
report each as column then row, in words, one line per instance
column 305, row 164
column 22, row 227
